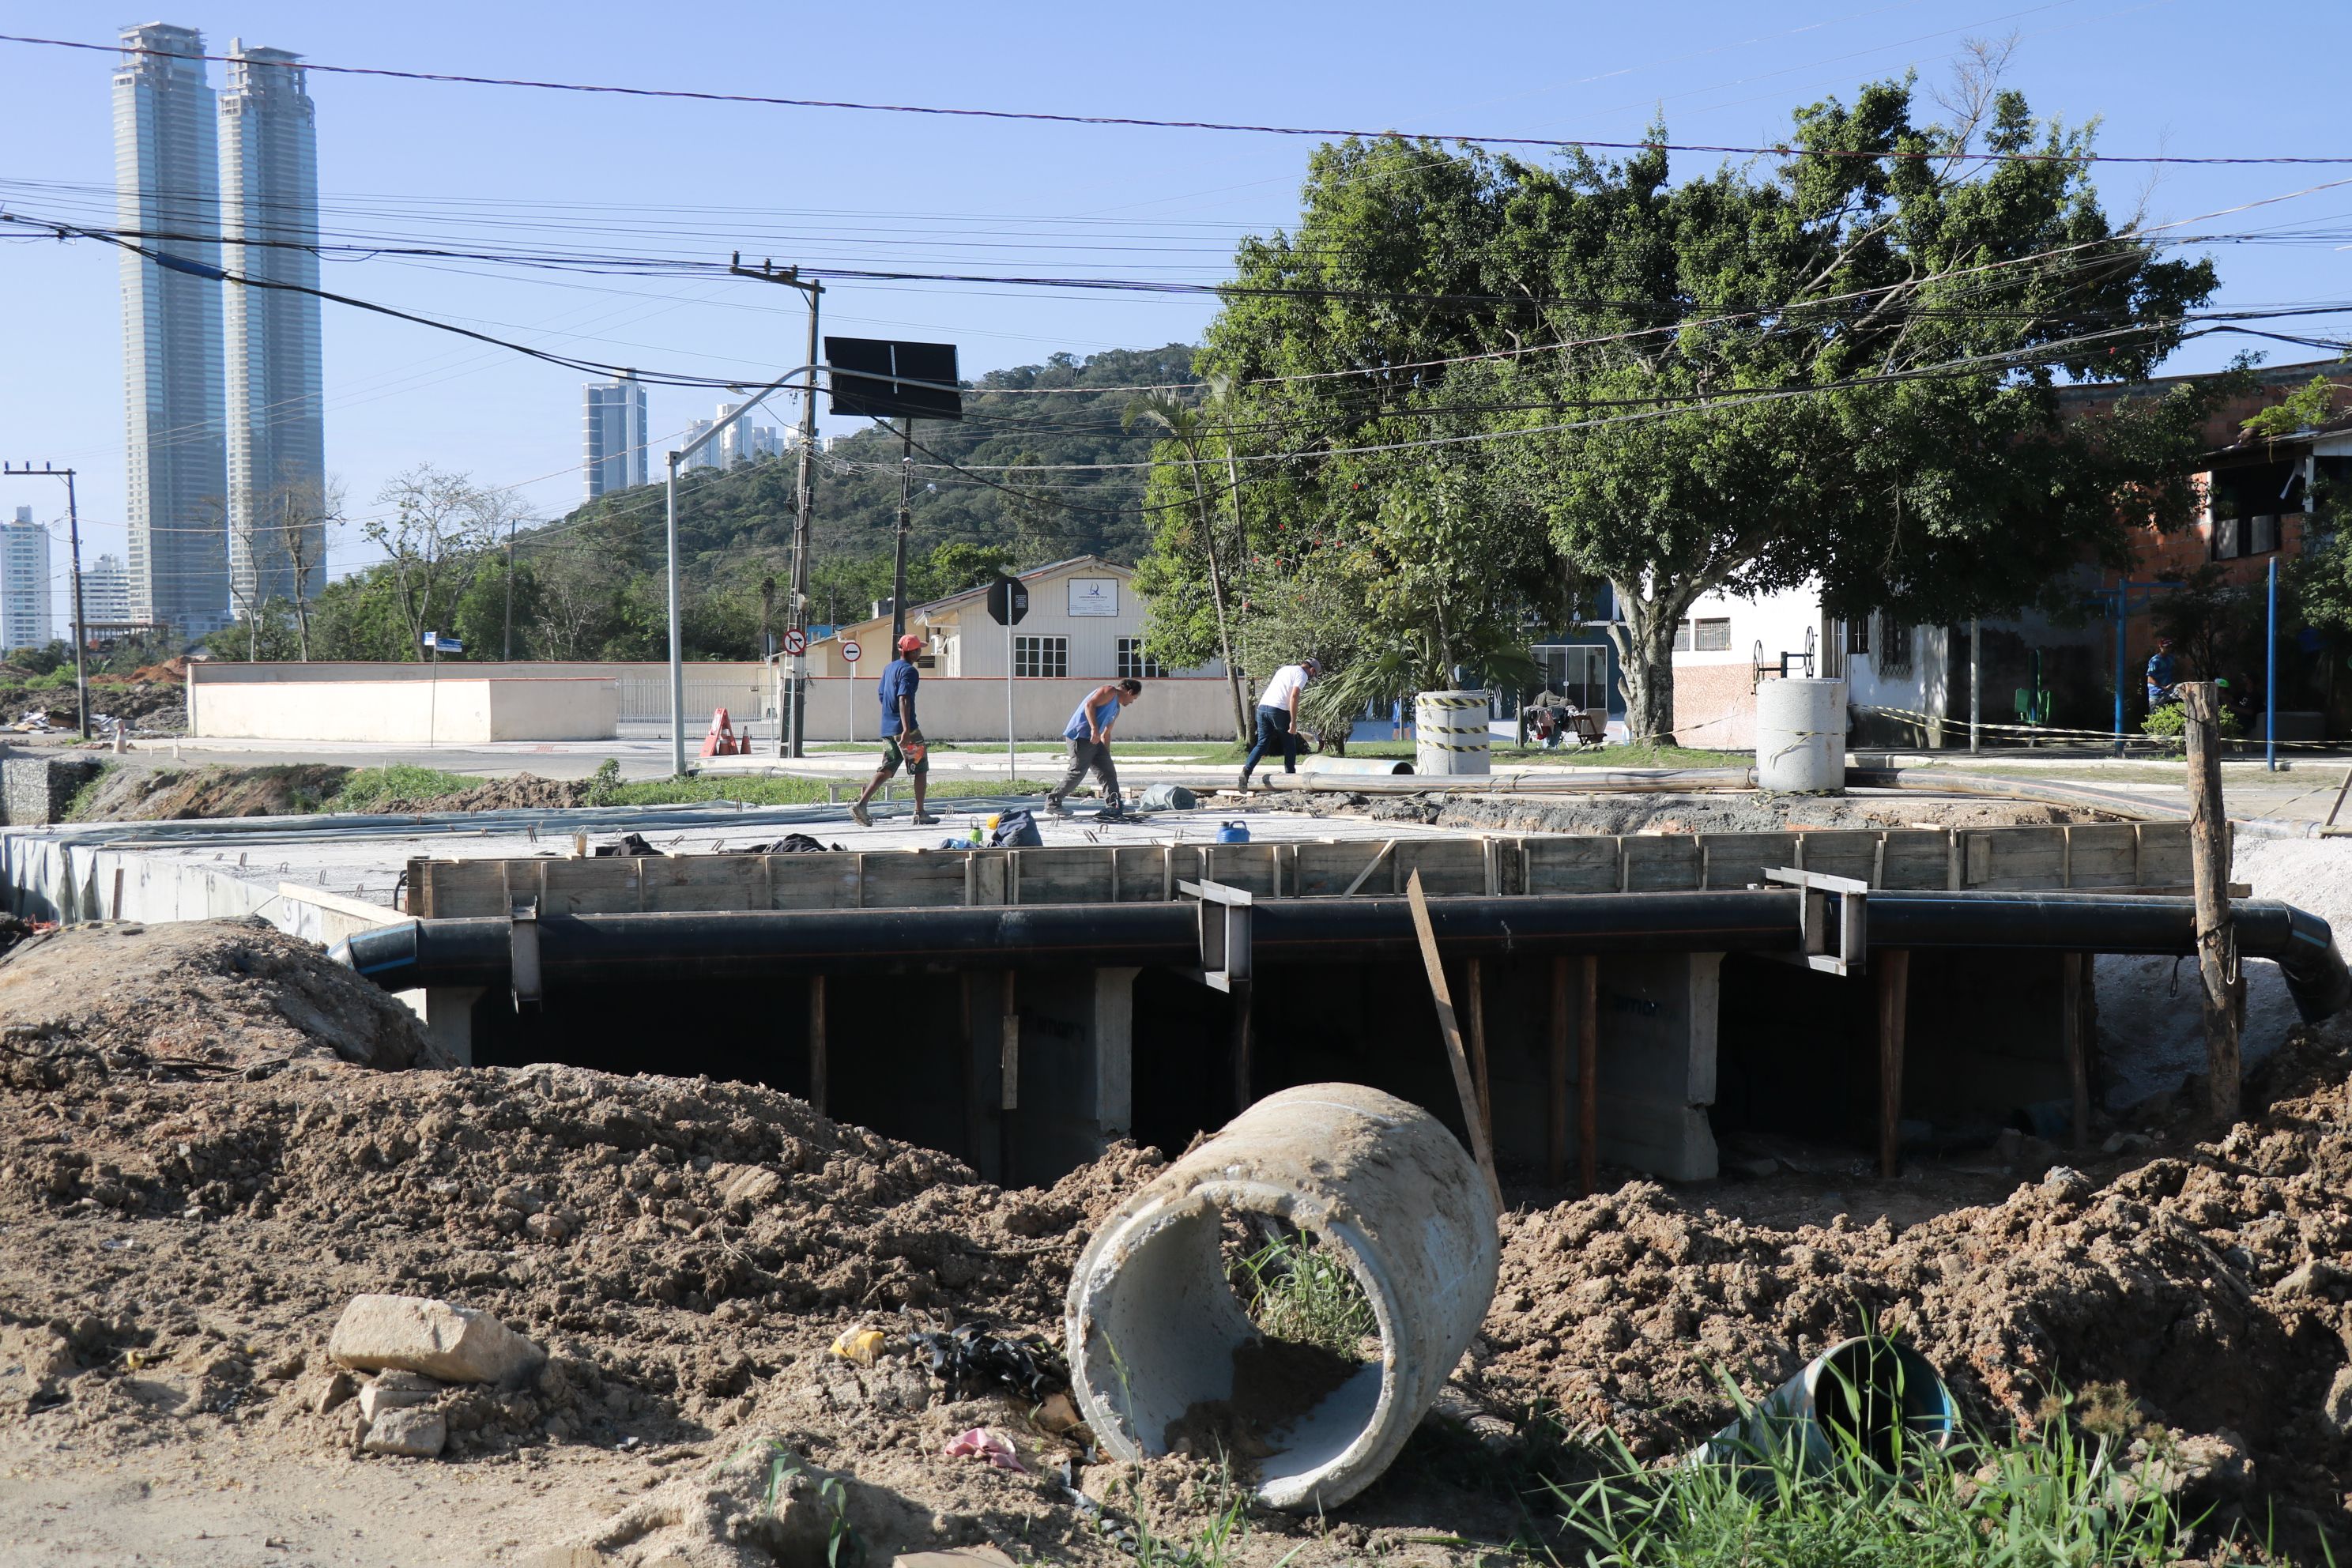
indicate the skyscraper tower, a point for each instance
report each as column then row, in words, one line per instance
column 24, row 583
column 615, row 452
column 167, row 180
column 276, row 438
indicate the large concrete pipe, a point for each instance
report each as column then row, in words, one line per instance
column 1800, row 736
column 1160, row 1345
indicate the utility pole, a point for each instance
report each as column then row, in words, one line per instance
column 789, row 740
column 905, row 526
column 506, row 653
column 73, row 538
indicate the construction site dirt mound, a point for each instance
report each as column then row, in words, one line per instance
column 1737, row 811
column 2204, row 1282
column 130, row 794
column 193, row 999
column 519, row 792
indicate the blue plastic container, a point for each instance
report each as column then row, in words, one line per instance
column 1232, row 833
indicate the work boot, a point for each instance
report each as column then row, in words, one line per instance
column 1114, row 812
column 1054, row 803
column 925, row 819
column 858, row 814
column 1245, row 783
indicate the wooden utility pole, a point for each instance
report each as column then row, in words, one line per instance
column 2217, row 934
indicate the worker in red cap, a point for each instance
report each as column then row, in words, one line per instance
column 902, row 736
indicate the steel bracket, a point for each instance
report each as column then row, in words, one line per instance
column 522, row 956
column 1224, row 933
column 1832, row 920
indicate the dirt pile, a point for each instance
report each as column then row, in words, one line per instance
column 520, row 791
column 129, row 793
column 196, row 999
column 2204, row 1285
column 1730, row 812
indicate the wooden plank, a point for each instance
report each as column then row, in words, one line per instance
column 2102, row 855
column 1916, row 857
column 1588, row 1078
column 1893, row 970
column 914, row 879
column 1735, row 859
column 1841, row 853
column 1555, row 1078
column 2018, row 857
column 1572, row 864
column 1448, row 867
column 1474, row 982
column 1660, row 862
column 2217, row 934
column 1450, row 1030
column 2071, row 967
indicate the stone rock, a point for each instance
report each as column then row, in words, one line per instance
column 328, row 1391
column 2314, row 1277
column 2067, row 1184
column 395, row 1391
column 415, row 1432
column 2336, row 1409
column 417, row 1333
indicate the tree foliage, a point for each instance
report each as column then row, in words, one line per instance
column 1833, row 368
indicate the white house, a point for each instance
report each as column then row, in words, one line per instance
column 1898, row 676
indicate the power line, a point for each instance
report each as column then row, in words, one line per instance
column 1042, row 117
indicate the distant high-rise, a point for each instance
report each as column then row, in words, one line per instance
column 106, row 599
column 167, row 182
column 616, row 446
column 277, row 435
column 24, row 583
column 745, row 442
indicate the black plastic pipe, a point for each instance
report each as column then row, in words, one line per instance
column 620, row 949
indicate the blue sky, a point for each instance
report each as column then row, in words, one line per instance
column 511, row 167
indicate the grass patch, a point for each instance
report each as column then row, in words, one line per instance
column 87, row 797
column 1294, row 1289
column 371, row 789
column 2055, row 1499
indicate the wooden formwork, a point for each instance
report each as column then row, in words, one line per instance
column 2094, row 856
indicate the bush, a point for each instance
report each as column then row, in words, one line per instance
column 2170, row 722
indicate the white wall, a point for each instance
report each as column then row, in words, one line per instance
column 743, row 687
column 450, row 711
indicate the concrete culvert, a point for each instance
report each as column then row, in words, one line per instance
column 1865, row 1398
column 1164, row 1354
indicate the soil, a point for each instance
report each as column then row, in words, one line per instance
column 197, row 1171
column 1744, row 810
column 520, row 791
column 1276, row 1381
column 180, row 795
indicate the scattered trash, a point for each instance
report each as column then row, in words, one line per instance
column 973, row 1359
column 1017, row 830
column 790, row 844
column 1166, row 797
column 859, row 1345
column 986, row 1443
column 1866, row 1394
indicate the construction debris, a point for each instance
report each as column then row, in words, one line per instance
column 416, row 1334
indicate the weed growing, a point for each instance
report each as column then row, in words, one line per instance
column 371, row 789
column 1298, row 1291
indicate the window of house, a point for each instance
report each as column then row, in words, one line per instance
column 1681, row 637
column 1895, row 640
column 2262, row 535
column 1858, row 636
column 1041, row 658
column 1712, row 637
column 2225, row 539
column 1134, row 663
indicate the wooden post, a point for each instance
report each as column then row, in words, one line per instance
column 2217, row 935
column 1008, row 1096
column 2071, row 968
column 818, row 1050
column 1588, row 1080
column 1556, row 1080
column 1894, row 971
column 1475, row 979
column 1450, row 1030
column 2341, row 790
column 1244, row 1068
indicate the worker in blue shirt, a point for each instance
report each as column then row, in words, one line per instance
column 2163, row 674
column 902, row 736
column 1088, row 734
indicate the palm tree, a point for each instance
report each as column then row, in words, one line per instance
column 1184, row 427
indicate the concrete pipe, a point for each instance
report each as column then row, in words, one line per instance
column 1162, row 1351
column 1864, row 1399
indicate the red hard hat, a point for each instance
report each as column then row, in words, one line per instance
column 909, row 643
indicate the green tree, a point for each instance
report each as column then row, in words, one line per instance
column 1186, row 427
column 1837, row 368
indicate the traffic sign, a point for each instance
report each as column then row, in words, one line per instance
column 795, row 640
column 1008, row 601
column 849, row 651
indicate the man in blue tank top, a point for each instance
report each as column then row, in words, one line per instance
column 1088, row 735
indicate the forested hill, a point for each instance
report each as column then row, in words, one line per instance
column 735, row 527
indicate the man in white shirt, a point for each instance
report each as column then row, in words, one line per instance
column 1277, row 716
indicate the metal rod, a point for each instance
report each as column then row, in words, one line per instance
column 81, row 626
column 1975, row 685
column 2270, row 678
column 676, row 652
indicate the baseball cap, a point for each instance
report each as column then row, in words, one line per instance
column 909, row 643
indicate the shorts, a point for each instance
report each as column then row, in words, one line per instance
column 893, row 758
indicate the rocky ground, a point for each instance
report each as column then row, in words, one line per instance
column 212, row 1140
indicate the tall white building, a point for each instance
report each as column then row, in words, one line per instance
column 24, row 583
column 167, row 182
column 615, row 456
column 745, row 442
column 106, row 598
column 277, row 434
column 706, row 456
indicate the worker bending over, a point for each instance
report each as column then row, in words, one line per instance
column 902, row 736
column 1088, row 734
column 1277, row 716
